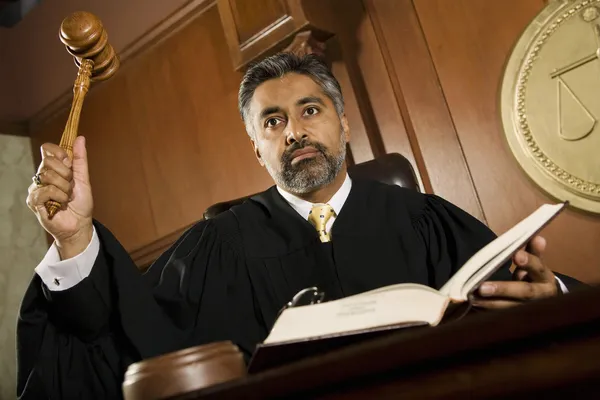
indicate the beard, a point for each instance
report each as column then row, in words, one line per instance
column 312, row 173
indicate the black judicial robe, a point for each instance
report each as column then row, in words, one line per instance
column 226, row 279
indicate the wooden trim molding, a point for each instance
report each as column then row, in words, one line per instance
column 305, row 43
column 146, row 255
column 172, row 24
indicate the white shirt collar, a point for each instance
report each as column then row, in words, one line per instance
column 303, row 207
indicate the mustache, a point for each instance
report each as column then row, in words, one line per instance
column 286, row 158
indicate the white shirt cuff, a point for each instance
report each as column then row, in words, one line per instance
column 563, row 287
column 60, row 274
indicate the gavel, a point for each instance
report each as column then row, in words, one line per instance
column 87, row 41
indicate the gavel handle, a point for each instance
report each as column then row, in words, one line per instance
column 80, row 89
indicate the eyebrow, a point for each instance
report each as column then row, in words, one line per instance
column 269, row 111
column 310, row 99
column 305, row 100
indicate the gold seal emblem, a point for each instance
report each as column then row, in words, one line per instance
column 550, row 101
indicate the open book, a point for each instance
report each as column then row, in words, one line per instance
column 395, row 306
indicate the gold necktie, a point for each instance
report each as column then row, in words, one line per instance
column 318, row 217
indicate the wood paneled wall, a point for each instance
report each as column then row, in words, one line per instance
column 420, row 77
column 164, row 136
column 447, row 58
column 422, row 102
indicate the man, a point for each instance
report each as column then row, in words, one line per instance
column 89, row 313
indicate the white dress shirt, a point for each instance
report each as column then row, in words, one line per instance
column 336, row 202
column 60, row 274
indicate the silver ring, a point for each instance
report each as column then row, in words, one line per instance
column 36, row 179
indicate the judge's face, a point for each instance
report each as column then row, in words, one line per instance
column 298, row 135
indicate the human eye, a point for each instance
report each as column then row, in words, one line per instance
column 312, row 110
column 272, row 122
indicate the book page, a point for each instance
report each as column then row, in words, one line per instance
column 392, row 305
column 486, row 271
column 491, row 257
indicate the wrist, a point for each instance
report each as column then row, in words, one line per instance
column 75, row 244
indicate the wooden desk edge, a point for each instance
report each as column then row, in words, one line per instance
column 573, row 318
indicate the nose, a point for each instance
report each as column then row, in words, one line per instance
column 294, row 132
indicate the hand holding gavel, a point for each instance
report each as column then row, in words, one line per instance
column 62, row 182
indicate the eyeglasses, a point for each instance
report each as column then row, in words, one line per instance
column 305, row 297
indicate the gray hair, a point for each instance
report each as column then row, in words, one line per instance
column 277, row 66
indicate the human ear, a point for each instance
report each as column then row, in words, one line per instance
column 257, row 153
column 345, row 127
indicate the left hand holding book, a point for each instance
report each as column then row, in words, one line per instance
column 532, row 280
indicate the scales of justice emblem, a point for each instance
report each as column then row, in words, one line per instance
column 550, row 102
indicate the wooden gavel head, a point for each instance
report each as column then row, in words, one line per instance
column 85, row 38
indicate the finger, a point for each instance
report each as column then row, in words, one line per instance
column 38, row 198
column 80, row 160
column 61, row 167
column 536, row 270
column 516, row 290
column 37, row 209
column 29, row 199
column 32, row 187
column 53, row 150
column 490, row 304
column 520, row 274
column 536, row 246
column 52, row 178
